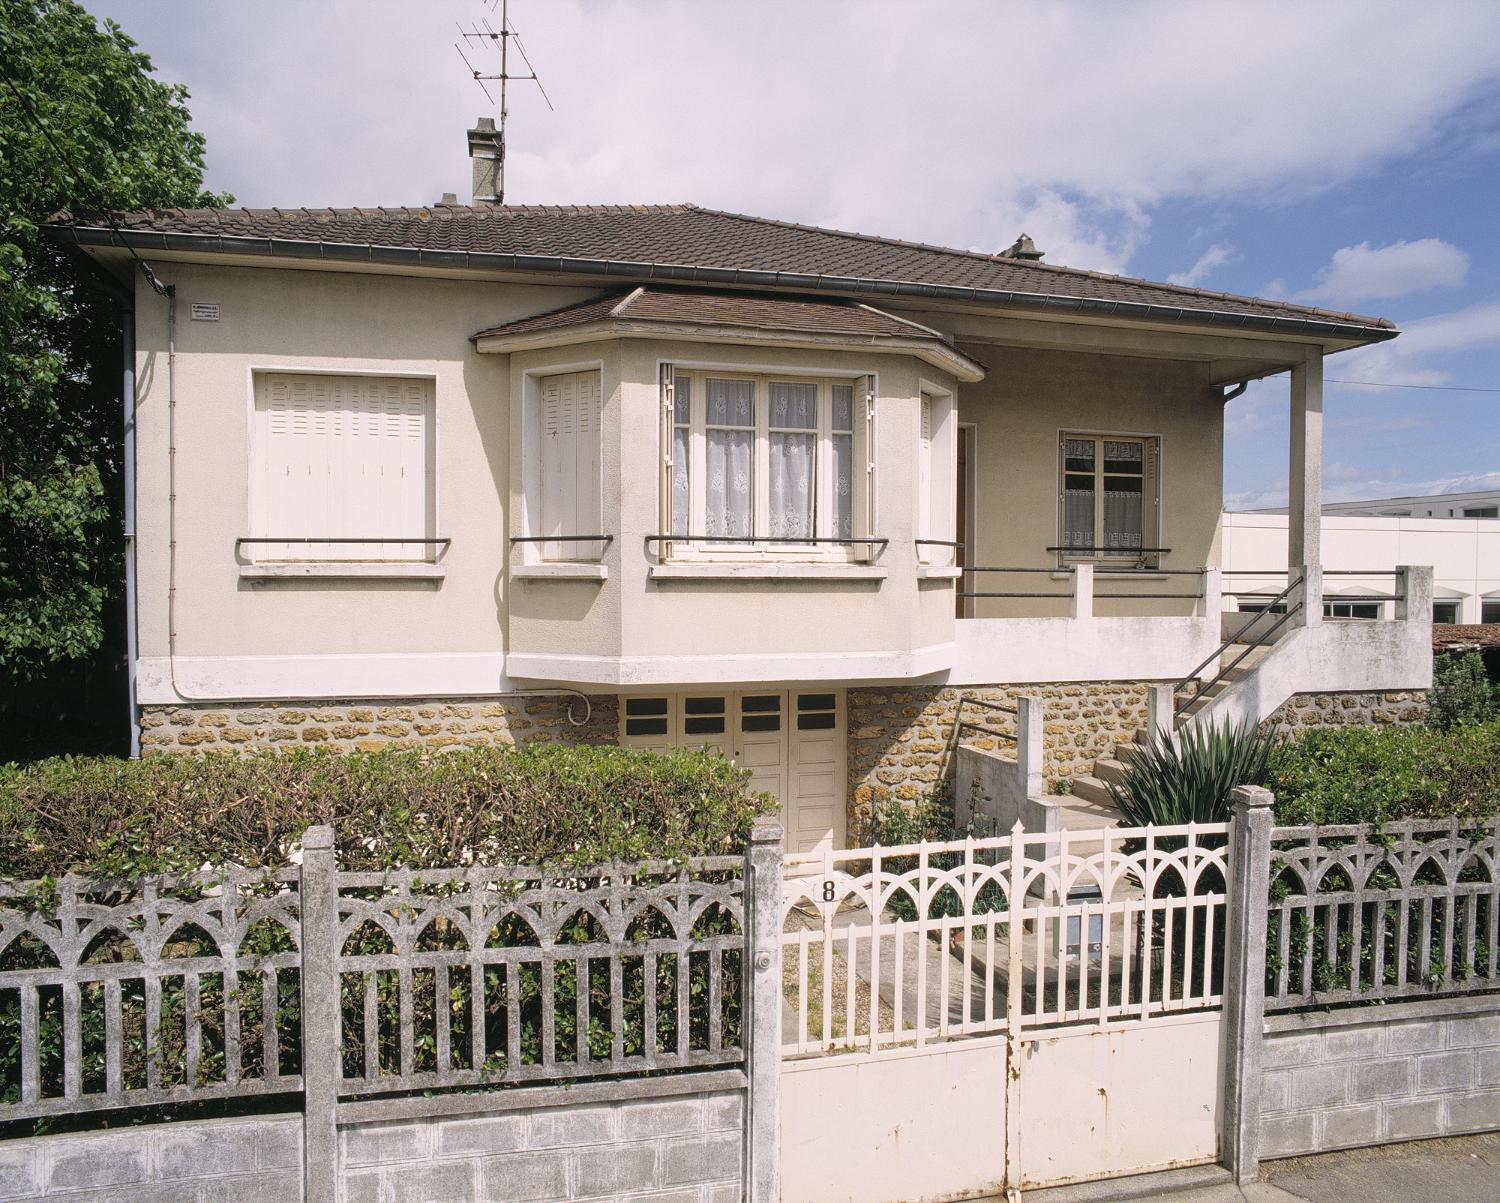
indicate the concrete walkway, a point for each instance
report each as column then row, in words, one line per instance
column 1463, row 1169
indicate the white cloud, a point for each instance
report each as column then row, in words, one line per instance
column 866, row 114
column 1372, row 273
column 1215, row 257
column 1406, row 359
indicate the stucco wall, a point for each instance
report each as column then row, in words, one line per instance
column 367, row 726
column 1369, row 1075
column 900, row 739
column 1021, row 407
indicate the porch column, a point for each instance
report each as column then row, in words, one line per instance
column 1304, row 526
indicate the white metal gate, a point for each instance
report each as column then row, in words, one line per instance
column 1030, row 1009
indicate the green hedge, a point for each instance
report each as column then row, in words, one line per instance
column 544, row 803
column 1377, row 774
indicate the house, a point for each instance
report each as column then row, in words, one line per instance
column 677, row 477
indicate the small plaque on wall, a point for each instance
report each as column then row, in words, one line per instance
column 205, row 313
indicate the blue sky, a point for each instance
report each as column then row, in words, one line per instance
column 1347, row 154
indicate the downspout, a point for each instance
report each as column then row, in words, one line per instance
column 127, row 396
column 1231, row 393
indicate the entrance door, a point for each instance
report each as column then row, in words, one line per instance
column 792, row 741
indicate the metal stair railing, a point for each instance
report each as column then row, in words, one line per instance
column 1226, row 669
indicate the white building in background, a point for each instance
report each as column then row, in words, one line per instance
column 1360, row 554
column 1481, row 504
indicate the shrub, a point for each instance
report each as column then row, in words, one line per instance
column 543, row 803
column 1377, row 774
column 1188, row 779
column 1461, row 692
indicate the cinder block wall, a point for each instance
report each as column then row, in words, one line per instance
column 259, row 1159
column 666, row 1145
column 1369, row 1075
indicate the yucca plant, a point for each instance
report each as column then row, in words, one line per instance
column 1187, row 779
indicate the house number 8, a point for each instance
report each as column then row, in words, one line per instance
column 828, row 891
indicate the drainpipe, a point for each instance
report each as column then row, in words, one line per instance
column 1231, row 393
column 127, row 395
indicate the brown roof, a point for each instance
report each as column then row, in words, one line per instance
column 685, row 243
column 754, row 310
column 1447, row 637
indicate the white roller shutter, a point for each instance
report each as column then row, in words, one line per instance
column 343, row 457
column 570, row 420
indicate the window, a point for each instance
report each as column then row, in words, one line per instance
column 569, row 424
column 341, row 458
column 1445, row 612
column 1482, row 511
column 1333, row 609
column 1109, row 499
column 936, row 477
column 1489, row 612
column 764, row 460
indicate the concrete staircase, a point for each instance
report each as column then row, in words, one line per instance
column 1091, row 789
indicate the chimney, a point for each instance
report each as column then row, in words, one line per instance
column 449, row 201
column 1021, row 248
column 487, row 149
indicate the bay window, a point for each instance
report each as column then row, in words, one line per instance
column 762, row 463
column 1108, row 500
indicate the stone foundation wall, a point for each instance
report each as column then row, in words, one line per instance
column 1306, row 710
column 901, row 739
column 367, row 726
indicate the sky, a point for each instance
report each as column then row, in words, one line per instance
column 1341, row 154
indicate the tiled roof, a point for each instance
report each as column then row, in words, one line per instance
column 753, row 310
column 1447, row 637
column 672, row 241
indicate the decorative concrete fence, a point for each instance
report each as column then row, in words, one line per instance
column 379, row 996
column 685, row 1030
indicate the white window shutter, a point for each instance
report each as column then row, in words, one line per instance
column 570, row 421
column 666, row 436
column 864, row 510
column 924, row 471
column 343, row 457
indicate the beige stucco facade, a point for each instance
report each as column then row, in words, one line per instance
column 462, row 649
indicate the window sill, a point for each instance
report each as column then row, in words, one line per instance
column 561, row 571
column 768, row 572
column 938, row 572
column 1105, row 572
column 350, row 571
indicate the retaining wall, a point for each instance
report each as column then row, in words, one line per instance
column 1368, row 1075
column 201, row 1161
column 367, row 726
column 1305, row 710
column 658, row 1140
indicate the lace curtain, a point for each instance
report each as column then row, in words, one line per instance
column 730, row 421
column 1122, row 494
column 1078, row 494
column 793, row 446
column 843, row 461
column 682, row 498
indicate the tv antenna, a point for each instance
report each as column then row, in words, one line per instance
column 477, row 36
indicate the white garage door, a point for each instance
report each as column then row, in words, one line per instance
column 792, row 741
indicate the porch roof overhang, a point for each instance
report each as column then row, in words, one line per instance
column 742, row 319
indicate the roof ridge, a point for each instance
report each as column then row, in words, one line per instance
column 1033, row 265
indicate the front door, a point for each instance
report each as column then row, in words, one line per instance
column 792, row 741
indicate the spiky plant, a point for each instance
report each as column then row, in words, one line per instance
column 1187, row 779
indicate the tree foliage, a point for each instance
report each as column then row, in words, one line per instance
column 83, row 126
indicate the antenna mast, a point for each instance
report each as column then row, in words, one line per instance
column 476, row 36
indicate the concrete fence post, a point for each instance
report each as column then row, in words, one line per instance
column 1161, row 719
column 1245, row 977
column 1414, row 593
column 321, row 1054
column 1213, row 595
column 1083, row 591
column 763, row 866
column 1030, row 715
